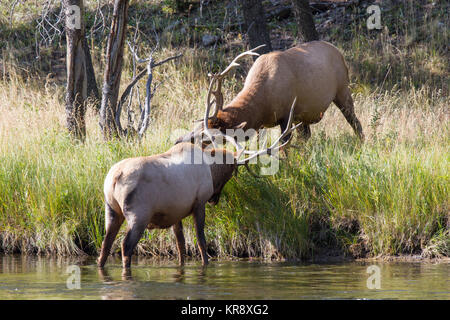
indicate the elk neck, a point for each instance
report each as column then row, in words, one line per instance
column 222, row 172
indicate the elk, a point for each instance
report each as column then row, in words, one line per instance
column 314, row 72
column 159, row 191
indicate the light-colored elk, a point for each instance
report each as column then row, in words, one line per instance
column 159, row 191
column 314, row 72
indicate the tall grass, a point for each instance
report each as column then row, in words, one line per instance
column 387, row 196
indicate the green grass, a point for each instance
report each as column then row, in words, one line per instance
column 388, row 196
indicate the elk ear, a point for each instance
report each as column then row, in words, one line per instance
column 240, row 126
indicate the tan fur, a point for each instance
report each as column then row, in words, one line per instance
column 315, row 73
column 158, row 192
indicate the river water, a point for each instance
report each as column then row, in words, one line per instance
column 31, row 277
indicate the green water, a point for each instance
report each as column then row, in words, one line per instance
column 25, row 277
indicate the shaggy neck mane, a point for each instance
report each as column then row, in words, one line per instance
column 220, row 174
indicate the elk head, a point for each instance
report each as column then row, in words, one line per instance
column 215, row 88
column 240, row 150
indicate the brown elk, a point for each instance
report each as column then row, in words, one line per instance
column 314, row 72
column 160, row 190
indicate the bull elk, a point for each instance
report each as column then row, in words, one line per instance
column 314, row 72
column 159, row 191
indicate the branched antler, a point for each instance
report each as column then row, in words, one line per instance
column 253, row 154
column 218, row 101
column 218, row 78
column 276, row 145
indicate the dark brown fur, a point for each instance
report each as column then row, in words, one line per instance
column 220, row 173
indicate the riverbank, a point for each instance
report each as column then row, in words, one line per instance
column 388, row 196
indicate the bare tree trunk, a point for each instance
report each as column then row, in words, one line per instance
column 255, row 22
column 113, row 71
column 92, row 89
column 76, row 89
column 305, row 20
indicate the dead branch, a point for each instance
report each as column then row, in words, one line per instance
column 11, row 12
column 144, row 118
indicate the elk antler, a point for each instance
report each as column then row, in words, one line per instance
column 218, row 77
column 253, row 154
column 274, row 146
column 212, row 136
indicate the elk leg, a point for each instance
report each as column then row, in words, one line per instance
column 112, row 226
column 305, row 131
column 344, row 102
column 199, row 222
column 178, row 231
column 134, row 233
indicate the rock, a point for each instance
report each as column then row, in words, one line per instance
column 209, row 39
column 171, row 26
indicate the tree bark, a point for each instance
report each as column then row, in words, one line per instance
column 92, row 89
column 255, row 24
column 113, row 71
column 76, row 89
column 305, row 20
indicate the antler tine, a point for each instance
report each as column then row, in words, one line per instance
column 218, row 96
column 208, row 107
column 243, row 54
column 206, row 130
column 219, row 77
column 208, row 101
column 238, row 147
column 269, row 150
column 274, row 146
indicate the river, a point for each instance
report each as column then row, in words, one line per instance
column 36, row 277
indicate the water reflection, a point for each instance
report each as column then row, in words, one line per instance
column 30, row 277
column 178, row 276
